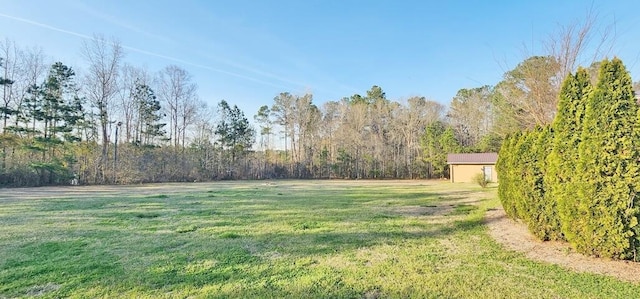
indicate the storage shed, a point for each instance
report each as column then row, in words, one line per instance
column 463, row 167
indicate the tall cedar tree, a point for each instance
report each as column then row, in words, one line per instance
column 607, row 209
column 505, row 169
column 523, row 162
column 562, row 160
column 543, row 220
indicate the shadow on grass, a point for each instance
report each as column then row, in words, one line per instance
column 494, row 217
column 173, row 231
column 249, row 261
column 310, row 243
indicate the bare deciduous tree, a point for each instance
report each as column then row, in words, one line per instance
column 175, row 89
column 529, row 92
column 33, row 71
column 282, row 111
column 101, row 82
column 581, row 42
column 126, row 105
column 471, row 115
column 9, row 63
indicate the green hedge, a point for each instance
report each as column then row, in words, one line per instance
column 579, row 179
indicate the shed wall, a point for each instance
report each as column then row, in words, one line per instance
column 465, row 173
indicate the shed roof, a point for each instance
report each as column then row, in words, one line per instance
column 475, row 158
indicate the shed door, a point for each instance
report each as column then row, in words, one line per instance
column 487, row 173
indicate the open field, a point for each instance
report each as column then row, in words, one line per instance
column 337, row 239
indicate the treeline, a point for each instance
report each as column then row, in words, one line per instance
column 579, row 178
column 112, row 122
column 357, row 137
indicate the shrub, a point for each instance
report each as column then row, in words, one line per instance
column 481, row 180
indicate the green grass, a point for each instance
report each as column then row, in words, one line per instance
column 463, row 209
column 294, row 239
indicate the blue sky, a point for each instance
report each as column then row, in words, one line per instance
column 247, row 52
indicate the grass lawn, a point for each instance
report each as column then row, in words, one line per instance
column 297, row 239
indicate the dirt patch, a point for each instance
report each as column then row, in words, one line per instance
column 434, row 210
column 515, row 236
column 372, row 294
column 40, row 290
column 444, row 207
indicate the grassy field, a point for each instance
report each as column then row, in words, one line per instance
column 297, row 239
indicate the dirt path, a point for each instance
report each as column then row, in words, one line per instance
column 515, row 236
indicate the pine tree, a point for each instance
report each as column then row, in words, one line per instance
column 437, row 141
column 54, row 112
column 563, row 158
column 149, row 116
column 234, row 131
column 607, row 209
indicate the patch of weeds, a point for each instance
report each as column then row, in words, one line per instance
column 280, row 193
column 202, row 212
column 147, row 215
column 211, row 195
column 229, row 235
column 481, row 180
column 463, row 209
column 305, row 262
column 385, row 216
column 158, row 196
column 223, row 223
column 199, row 266
column 186, row 229
column 306, row 225
column 210, row 191
column 429, row 206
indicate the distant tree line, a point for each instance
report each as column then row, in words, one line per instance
column 578, row 179
column 115, row 123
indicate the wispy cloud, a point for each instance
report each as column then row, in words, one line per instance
column 248, row 73
column 118, row 22
column 247, row 68
column 145, row 52
column 45, row 26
